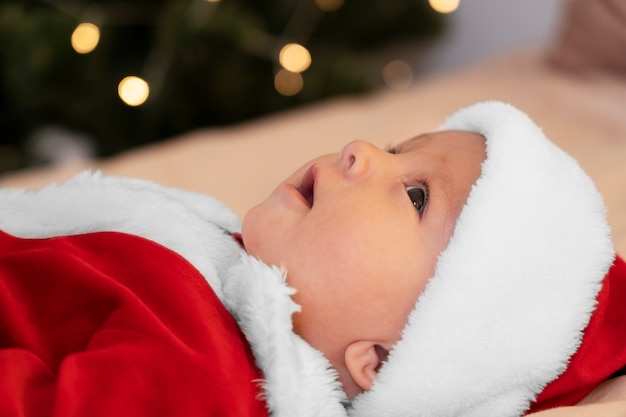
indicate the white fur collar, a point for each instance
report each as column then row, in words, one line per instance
column 299, row 381
column 188, row 223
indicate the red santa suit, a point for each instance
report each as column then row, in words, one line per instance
column 107, row 323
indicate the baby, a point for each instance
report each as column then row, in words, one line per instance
column 464, row 272
column 500, row 308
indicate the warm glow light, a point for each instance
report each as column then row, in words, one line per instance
column 398, row 75
column 85, row 38
column 288, row 83
column 329, row 5
column 294, row 57
column 444, row 6
column 133, row 90
column 213, row 1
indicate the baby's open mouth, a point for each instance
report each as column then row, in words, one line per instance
column 307, row 186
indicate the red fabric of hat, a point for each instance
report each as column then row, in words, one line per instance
column 602, row 353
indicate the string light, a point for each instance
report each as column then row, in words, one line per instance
column 329, row 5
column 133, row 91
column 294, row 57
column 444, row 6
column 288, row 83
column 398, row 75
column 85, row 38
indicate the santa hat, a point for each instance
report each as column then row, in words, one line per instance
column 513, row 291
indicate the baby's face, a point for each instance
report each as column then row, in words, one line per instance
column 359, row 233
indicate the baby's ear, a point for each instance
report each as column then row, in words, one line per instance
column 363, row 360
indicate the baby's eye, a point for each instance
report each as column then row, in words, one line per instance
column 419, row 198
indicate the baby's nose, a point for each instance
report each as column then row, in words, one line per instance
column 356, row 158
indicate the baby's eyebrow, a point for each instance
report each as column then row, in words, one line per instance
column 407, row 142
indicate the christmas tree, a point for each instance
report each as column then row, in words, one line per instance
column 199, row 62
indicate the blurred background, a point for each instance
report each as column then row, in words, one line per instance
column 81, row 79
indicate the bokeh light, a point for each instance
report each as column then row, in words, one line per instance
column 85, row 38
column 444, row 6
column 294, row 57
column 329, row 5
column 133, row 91
column 288, row 83
column 398, row 75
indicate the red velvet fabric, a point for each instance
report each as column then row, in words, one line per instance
column 109, row 324
column 602, row 353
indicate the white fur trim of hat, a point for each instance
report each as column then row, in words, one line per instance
column 514, row 289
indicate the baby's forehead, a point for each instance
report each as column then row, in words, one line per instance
column 445, row 141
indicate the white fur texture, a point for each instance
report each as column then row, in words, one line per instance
column 513, row 290
column 299, row 381
column 186, row 222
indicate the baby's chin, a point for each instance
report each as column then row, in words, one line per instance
column 249, row 234
column 256, row 234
